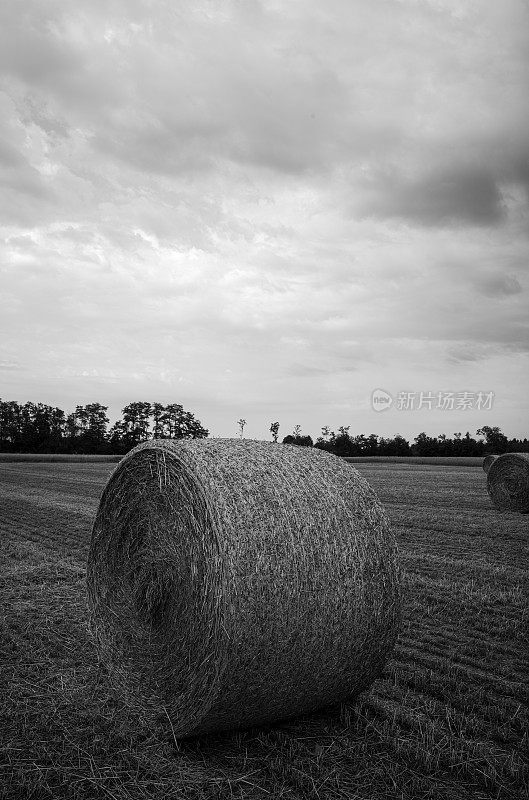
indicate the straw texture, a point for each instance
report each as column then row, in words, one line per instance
column 508, row 482
column 488, row 461
column 235, row 582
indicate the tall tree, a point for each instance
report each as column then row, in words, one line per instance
column 371, row 445
column 76, row 427
column 57, row 427
column 174, row 422
column 136, row 421
column 117, row 438
column 94, row 436
column 496, row 441
column 192, row 428
column 10, row 425
column 158, row 420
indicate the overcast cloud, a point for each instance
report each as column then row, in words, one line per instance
column 266, row 209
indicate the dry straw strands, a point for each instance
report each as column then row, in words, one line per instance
column 235, row 582
column 508, row 482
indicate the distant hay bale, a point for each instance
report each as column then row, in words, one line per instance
column 508, row 482
column 488, row 461
column 235, row 582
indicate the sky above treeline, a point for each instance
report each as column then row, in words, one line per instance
column 268, row 210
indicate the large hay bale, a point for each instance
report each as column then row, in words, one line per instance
column 508, row 482
column 488, row 461
column 236, row 582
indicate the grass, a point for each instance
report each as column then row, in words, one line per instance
column 448, row 719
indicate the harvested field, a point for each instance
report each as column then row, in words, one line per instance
column 60, row 458
column 436, row 461
column 448, row 718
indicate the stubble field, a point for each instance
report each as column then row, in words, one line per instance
column 448, row 719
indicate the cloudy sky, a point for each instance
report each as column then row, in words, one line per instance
column 267, row 209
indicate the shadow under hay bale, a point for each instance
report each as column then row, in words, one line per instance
column 508, row 482
column 235, row 582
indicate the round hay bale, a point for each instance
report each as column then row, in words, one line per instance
column 488, row 461
column 235, row 582
column 508, row 482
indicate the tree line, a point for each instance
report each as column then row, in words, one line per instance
column 40, row 428
column 344, row 444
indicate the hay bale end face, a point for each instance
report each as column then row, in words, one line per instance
column 235, row 582
column 508, row 482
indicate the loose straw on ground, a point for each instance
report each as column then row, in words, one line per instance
column 508, row 482
column 235, row 582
